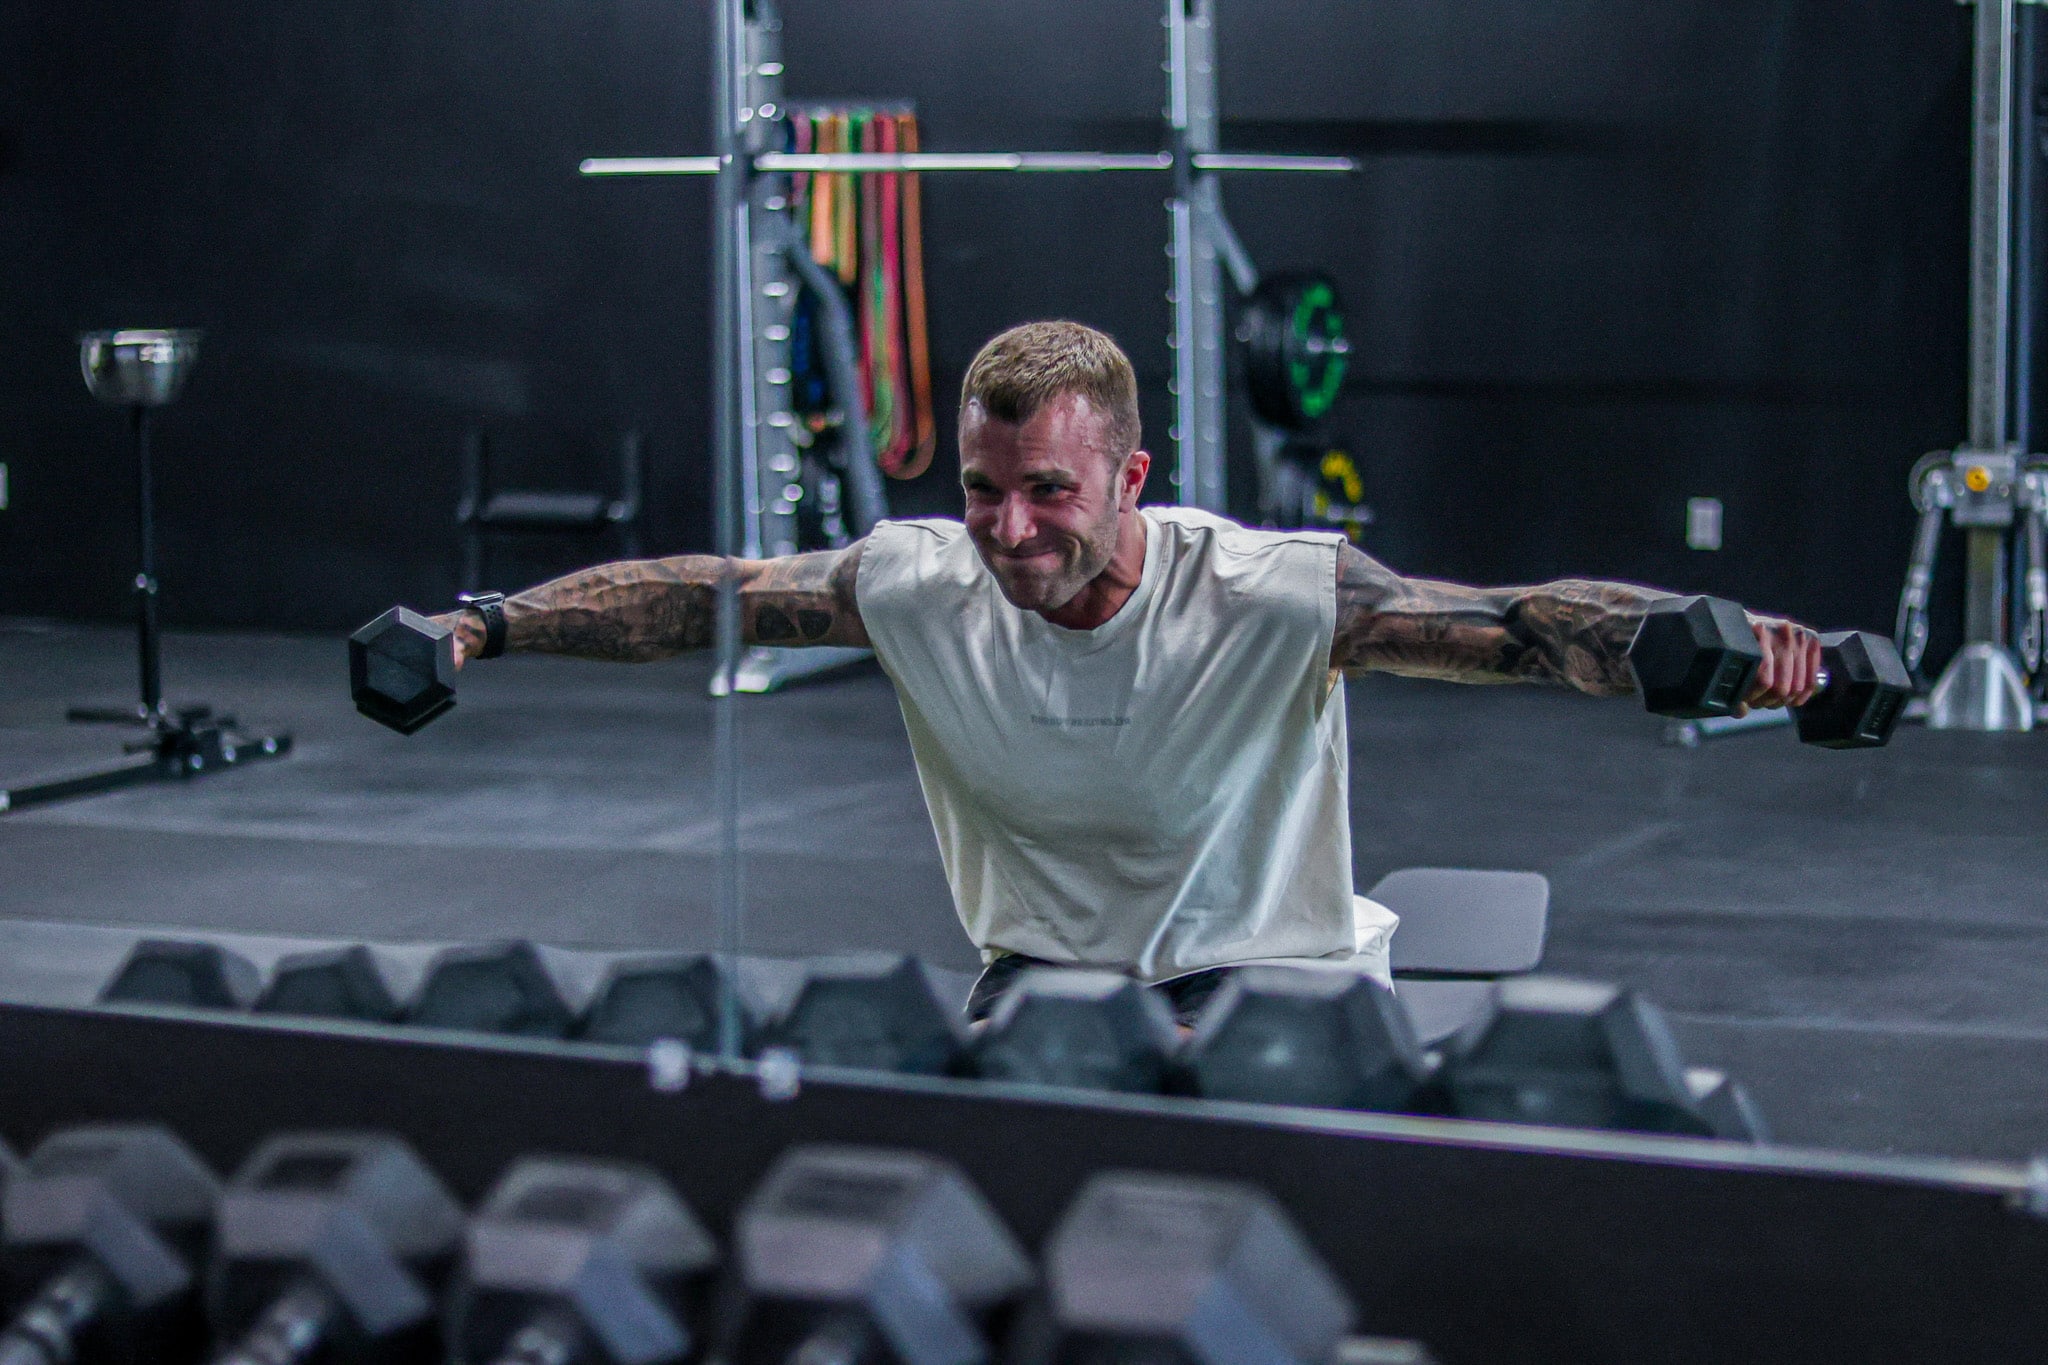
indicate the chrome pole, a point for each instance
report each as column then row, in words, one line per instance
column 1197, row 297
column 1982, row 687
column 1990, row 302
column 728, row 80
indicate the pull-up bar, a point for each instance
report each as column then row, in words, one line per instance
column 921, row 162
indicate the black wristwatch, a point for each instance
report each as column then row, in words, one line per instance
column 490, row 606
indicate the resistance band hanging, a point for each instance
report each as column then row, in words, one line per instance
column 866, row 230
column 925, row 437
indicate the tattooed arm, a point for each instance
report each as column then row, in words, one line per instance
column 644, row 609
column 1574, row 633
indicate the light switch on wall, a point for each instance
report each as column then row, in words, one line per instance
column 1703, row 523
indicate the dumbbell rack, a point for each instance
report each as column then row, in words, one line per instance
column 754, row 277
column 1478, row 1239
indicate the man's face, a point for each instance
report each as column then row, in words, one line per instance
column 1045, row 498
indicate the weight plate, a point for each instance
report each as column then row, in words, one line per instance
column 1295, row 348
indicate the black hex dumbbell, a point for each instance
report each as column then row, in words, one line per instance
column 329, row 983
column 1587, row 1054
column 1146, row 1269
column 492, row 988
column 580, row 1263
column 874, row 1012
column 680, row 996
column 1096, row 1030
column 186, row 972
column 103, row 1226
column 867, row 1256
column 1697, row 657
column 401, row 670
column 1306, row 1035
column 331, row 1247
column 1863, row 691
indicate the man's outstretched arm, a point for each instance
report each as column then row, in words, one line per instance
column 1573, row 633
column 642, row 609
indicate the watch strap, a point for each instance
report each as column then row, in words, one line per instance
column 491, row 607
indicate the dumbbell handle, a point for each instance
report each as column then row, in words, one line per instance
column 543, row 1341
column 46, row 1330
column 288, row 1331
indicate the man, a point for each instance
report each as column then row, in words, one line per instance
column 1128, row 723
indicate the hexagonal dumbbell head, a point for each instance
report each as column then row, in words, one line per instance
column 492, row 988
column 330, row 1248
column 401, row 670
column 679, row 997
column 164, row 971
column 1305, row 1035
column 330, row 983
column 580, row 1263
column 107, row 1222
column 1174, row 1270
column 1695, row 657
column 1579, row 1054
column 867, row 1256
column 1724, row 1106
column 877, row 1013
column 1096, row 1030
column 1865, row 694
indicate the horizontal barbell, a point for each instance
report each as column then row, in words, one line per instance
column 922, row 162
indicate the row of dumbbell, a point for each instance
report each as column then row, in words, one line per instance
column 347, row 1249
column 1544, row 1050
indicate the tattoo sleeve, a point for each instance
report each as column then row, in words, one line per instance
column 1573, row 633
column 644, row 609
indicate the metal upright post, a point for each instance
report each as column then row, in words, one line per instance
column 1195, row 210
column 766, row 278
column 149, row 639
column 1982, row 688
column 728, row 258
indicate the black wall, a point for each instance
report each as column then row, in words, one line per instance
column 1604, row 257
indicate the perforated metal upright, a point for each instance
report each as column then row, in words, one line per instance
column 770, row 461
column 1195, row 211
column 755, row 422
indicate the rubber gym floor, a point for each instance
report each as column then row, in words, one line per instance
column 1862, row 938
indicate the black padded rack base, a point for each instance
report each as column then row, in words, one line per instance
column 1488, row 1243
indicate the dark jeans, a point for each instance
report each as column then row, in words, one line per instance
column 1186, row 994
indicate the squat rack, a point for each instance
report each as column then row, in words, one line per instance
column 754, row 262
column 751, row 415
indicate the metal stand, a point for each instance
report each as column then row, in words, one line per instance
column 1988, row 487
column 1981, row 689
column 139, row 371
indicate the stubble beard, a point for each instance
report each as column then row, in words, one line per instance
column 1083, row 560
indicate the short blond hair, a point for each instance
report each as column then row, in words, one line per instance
column 1023, row 369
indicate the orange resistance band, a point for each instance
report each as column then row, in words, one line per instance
column 893, row 434
column 926, row 435
column 845, row 210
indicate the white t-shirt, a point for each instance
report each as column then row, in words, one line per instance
column 1164, row 793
